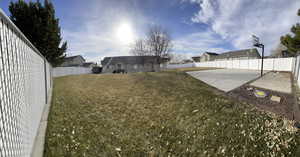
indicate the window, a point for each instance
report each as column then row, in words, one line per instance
column 135, row 66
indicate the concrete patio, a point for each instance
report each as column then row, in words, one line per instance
column 275, row 81
column 226, row 79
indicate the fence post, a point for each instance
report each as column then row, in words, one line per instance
column 297, row 62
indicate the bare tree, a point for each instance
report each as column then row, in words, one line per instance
column 157, row 43
column 177, row 58
column 278, row 51
column 139, row 48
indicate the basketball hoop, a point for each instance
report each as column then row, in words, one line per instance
column 256, row 41
column 258, row 44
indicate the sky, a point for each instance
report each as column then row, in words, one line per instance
column 101, row 28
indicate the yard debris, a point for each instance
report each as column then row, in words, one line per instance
column 275, row 98
column 260, row 93
column 118, row 149
column 195, row 111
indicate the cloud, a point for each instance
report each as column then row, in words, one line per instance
column 94, row 34
column 237, row 20
column 196, row 43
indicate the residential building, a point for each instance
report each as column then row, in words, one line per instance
column 206, row 56
column 239, row 54
column 73, row 61
column 131, row 64
column 231, row 55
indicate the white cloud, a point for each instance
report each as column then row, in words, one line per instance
column 237, row 20
column 96, row 34
column 197, row 43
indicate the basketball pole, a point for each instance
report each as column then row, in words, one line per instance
column 262, row 59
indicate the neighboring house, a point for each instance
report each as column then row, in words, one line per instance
column 73, row 61
column 231, row 55
column 131, row 64
column 196, row 58
column 187, row 61
column 206, row 56
column 280, row 51
column 239, row 55
column 89, row 64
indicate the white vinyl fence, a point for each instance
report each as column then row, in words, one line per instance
column 296, row 70
column 176, row 66
column 25, row 86
column 276, row 64
column 65, row 71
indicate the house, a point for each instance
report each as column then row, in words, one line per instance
column 206, row 56
column 239, row 55
column 187, row 61
column 73, row 61
column 280, row 51
column 131, row 64
column 89, row 64
column 231, row 55
column 196, row 58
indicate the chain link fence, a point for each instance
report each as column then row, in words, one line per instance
column 25, row 84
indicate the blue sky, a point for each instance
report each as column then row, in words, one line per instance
column 99, row 28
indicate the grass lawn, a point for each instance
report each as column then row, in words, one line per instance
column 159, row 114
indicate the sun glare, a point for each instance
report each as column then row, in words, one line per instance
column 124, row 33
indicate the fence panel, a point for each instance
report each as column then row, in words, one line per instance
column 283, row 64
column 24, row 87
column 229, row 64
column 253, row 64
column 244, row 64
column 277, row 64
column 296, row 67
column 269, row 64
column 64, row 71
column 235, row 64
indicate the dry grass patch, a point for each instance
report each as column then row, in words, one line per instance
column 158, row 114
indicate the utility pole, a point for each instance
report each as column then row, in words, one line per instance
column 258, row 44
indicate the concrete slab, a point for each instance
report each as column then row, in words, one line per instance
column 225, row 79
column 275, row 81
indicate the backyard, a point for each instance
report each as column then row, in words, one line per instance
column 159, row 114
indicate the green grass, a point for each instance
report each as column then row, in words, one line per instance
column 158, row 114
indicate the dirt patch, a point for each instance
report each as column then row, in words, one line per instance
column 284, row 107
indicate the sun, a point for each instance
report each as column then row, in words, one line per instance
column 124, row 33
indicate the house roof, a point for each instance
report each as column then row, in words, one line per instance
column 239, row 53
column 196, row 56
column 129, row 60
column 73, row 57
column 212, row 53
